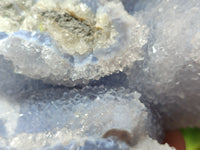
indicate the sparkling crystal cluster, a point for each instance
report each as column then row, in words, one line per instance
column 97, row 74
column 169, row 78
column 45, row 116
column 65, row 42
column 69, row 42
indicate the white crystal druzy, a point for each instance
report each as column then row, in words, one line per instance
column 169, row 77
column 50, row 116
column 70, row 42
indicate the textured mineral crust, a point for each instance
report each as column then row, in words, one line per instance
column 46, row 116
column 12, row 14
column 169, row 78
column 50, row 117
column 71, row 42
column 119, row 72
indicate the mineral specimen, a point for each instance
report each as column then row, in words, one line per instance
column 12, row 14
column 48, row 116
column 132, row 69
column 69, row 43
column 169, row 78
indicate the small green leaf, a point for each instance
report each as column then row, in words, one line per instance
column 192, row 138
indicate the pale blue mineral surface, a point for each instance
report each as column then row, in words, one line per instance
column 73, row 71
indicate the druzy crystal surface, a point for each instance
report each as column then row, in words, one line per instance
column 47, row 116
column 71, row 42
column 170, row 75
column 97, row 74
